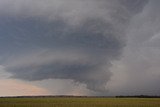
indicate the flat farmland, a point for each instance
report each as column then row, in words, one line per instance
column 79, row 102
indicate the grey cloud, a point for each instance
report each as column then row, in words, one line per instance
column 77, row 46
column 134, row 7
column 141, row 54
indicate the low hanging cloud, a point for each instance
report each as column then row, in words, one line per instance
column 71, row 39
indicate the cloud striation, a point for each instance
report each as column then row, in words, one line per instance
column 73, row 39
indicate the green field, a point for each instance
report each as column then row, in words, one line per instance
column 79, row 102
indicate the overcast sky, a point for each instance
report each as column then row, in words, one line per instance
column 79, row 47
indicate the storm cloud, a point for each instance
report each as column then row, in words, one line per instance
column 73, row 39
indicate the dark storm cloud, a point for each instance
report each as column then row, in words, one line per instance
column 53, row 41
column 97, row 47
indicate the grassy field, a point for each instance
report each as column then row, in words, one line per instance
column 79, row 102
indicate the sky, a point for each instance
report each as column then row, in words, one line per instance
column 79, row 47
